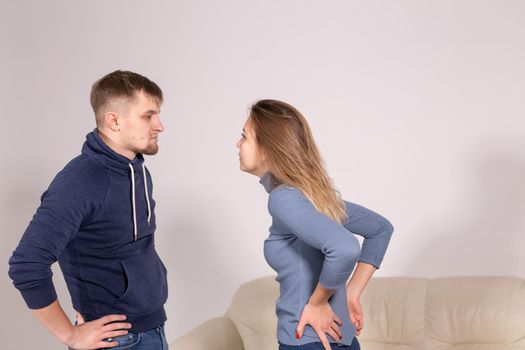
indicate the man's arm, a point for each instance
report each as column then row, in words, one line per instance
column 89, row 335
column 63, row 208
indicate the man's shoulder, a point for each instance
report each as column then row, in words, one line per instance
column 83, row 163
column 83, row 171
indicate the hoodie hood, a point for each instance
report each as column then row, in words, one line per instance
column 95, row 148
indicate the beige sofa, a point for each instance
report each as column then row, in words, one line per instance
column 456, row 313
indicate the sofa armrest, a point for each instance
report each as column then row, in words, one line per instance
column 215, row 334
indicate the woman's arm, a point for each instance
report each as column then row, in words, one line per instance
column 360, row 278
column 319, row 315
column 296, row 214
column 291, row 210
column 375, row 229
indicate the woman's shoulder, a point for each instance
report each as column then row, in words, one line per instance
column 284, row 191
column 285, row 197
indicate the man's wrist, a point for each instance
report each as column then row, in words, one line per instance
column 66, row 336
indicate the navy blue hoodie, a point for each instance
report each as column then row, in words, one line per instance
column 97, row 219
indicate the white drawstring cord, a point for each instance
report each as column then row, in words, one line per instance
column 146, row 191
column 133, row 202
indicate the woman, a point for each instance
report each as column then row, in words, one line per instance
column 310, row 245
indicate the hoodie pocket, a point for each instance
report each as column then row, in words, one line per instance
column 147, row 288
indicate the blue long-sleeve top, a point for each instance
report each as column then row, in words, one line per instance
column 306, row 247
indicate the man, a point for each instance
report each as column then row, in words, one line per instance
column 97, row 219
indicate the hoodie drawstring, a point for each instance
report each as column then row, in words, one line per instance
column 133, row 204
column 146, row 190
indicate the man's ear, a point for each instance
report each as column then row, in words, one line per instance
column 111, row 119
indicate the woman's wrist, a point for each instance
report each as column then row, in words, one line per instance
column 352, row 293
column 320, row 295
column 315, row 301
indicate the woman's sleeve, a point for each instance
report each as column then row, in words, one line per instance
column 375, row 229
column 293, row 211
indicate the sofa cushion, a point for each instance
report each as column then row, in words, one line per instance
column 394, row 313
column 217, row 333
column 466, row 313
column 405, row 313
column 253, row 312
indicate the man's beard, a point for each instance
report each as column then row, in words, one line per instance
column 151, row 150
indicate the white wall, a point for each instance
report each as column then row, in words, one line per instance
column 417, row 106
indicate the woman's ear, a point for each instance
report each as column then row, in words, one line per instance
column 263, row 155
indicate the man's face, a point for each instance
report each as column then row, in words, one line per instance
column 140, row 124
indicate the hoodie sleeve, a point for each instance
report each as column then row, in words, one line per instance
column 375, row 229
column 290, row 208
column 62, row 210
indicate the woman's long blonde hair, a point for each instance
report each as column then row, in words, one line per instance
column 283, row 134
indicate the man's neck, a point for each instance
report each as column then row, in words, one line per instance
column 115, row 146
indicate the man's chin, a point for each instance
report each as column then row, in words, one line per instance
column 150, row 150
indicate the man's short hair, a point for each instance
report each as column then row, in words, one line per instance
column 121, row 84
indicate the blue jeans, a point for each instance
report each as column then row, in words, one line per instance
column 319, row 346
column 154, row 339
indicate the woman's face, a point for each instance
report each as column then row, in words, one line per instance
column 251, row 158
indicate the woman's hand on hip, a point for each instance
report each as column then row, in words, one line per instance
column 356, row 314
column 323, row 321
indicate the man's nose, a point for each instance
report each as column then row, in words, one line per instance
column 159, row 126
